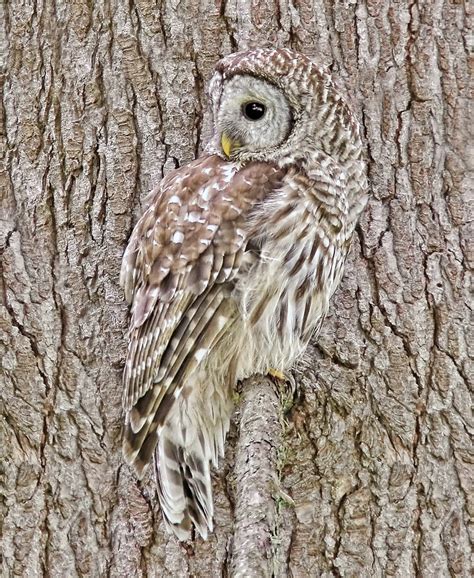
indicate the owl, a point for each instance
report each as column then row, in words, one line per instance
column 230, row 270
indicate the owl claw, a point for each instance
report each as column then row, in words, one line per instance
column 277, row 374
column 286, row 387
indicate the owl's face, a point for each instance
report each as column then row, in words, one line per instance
column 278, row 106
column 253, row 116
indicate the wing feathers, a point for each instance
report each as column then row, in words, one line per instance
column 150, row 411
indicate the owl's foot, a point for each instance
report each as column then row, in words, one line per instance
column 286, row 386
column 277, row 374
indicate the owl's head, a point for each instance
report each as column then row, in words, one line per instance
column 275, row 105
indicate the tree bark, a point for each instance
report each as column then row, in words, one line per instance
column 367, row 471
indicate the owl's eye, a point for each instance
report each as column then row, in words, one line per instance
column 253, row 110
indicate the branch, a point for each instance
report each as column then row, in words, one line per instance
column 256, row 479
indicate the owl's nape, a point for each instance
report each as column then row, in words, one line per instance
column 231, row 268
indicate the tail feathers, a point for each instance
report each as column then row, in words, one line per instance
column 184, row 449
column 184, row 485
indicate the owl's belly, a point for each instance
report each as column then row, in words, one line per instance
column 282, row 301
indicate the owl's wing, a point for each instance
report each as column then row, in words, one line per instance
column 177, row 273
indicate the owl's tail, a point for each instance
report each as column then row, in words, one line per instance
column 190, row 440
column 182, row 465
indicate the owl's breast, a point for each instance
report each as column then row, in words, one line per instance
column 292, row 266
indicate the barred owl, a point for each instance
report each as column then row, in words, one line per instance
column 230, row 269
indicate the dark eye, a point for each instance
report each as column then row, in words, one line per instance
column 253, row 110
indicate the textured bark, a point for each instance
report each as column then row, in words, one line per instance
column 256, row 481
column 368, row 471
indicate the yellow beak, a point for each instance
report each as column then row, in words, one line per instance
column 227, row 144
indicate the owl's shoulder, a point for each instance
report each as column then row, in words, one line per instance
column 209, row 187
column 197, row 210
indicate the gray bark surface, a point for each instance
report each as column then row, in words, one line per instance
column 367, row 471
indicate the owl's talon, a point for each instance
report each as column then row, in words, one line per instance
column 277, row 374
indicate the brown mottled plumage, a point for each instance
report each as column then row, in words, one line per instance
column 231, row 267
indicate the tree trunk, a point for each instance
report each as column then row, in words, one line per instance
column 367, row 470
